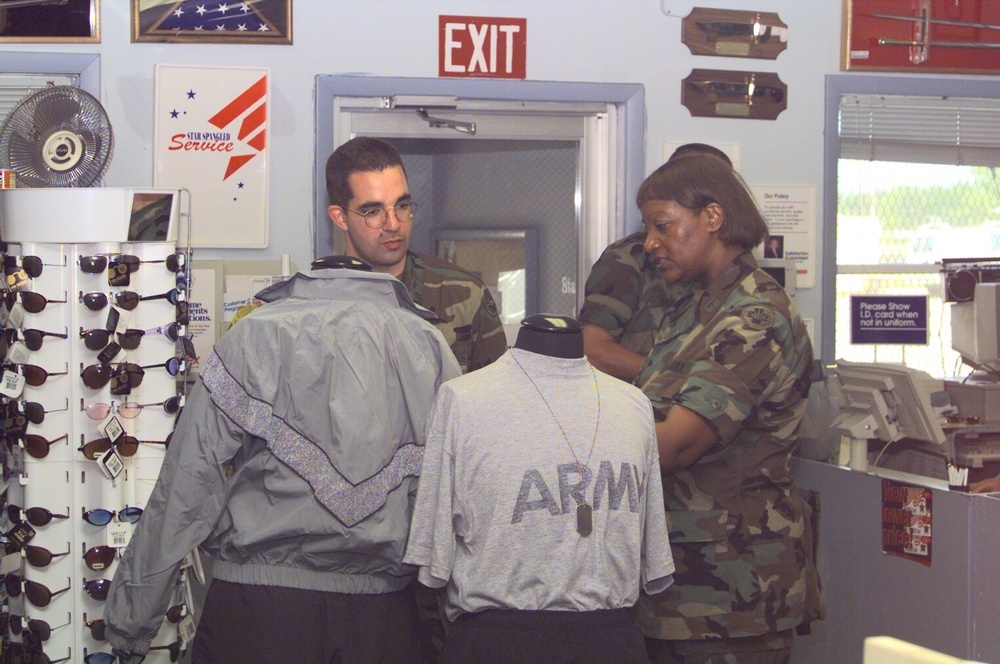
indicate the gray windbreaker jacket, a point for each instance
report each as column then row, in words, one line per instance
column 295, row 460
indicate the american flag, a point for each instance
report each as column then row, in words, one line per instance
column 201, row 16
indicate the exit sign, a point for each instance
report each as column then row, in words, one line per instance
column 482, row 47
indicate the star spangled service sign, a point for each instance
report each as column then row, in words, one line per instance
column 211, row 137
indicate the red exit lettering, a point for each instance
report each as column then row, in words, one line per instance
column 482, row 47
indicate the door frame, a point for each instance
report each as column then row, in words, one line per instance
column 629, row 157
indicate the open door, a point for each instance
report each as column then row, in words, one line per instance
column 546, row 171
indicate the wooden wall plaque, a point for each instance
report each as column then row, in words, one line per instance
column 734, row 33
column 717, row 93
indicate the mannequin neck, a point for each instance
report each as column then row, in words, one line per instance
column 553, row 344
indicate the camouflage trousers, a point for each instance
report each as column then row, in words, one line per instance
column 775, row 648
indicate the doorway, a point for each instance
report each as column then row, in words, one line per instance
column 549, row 165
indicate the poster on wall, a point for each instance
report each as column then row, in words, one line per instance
column 211, row 138
column 790, row 211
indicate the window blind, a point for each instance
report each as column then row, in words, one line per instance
column 922, row 129
column 15, row 87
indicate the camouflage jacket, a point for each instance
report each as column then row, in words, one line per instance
column 470, row 321
column 626, row 296
column 738, row 354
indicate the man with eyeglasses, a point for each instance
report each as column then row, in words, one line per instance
column 294, row 464
column 370, row 202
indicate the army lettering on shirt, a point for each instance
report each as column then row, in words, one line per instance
column 535, row 493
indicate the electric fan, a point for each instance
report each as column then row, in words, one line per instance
column 59, row 136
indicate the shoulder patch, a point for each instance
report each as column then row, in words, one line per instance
column 488, row 302
column 758, row 317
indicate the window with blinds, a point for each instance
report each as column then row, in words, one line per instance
column 15, row 87
column 916, row 181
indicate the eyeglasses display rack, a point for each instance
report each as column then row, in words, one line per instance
column 96, row 355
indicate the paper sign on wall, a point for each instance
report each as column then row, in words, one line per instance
column 790, row 211
column 211, row 138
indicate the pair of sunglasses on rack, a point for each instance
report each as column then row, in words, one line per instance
column 126, row 262
column 102, row 517
column 129, row 339
column 38, row 446
column 32, row 265
column 33, row 303
column 97, row 588
column 40, row 628
column 129, row 374
column 32, row 338
column 100, row 558
column 36, row 516
column 32, row 410
column 127, row 300
column 126, row 446
column 37, row 556
column 38, row 594
column 34, row 375
column 130, row 409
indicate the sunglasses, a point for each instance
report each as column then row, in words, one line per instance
column 38, row 447
column 97, row 588
column 130, row 409
column 107, row 658
column 102, row 517
column 36, row 656
column 129, row 339
column 34, row 375
column 41, row 629
column 32, row 338
column 117, row 262
column 176, row 613
column 39, row 556
column 126, row 374
column 99, row 558
column 127, row 300
column 32, row 302
column 33, row 410
column 126, row 446
column 32, row 265
column 38, row 594
column 97, row 631
column 36, row 516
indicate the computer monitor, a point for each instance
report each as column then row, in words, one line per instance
column 975, row 329
column 884, row 402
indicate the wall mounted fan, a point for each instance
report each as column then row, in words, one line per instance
column 59, row 136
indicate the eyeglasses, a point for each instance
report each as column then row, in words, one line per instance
column 130, row 409
column 39, row 556
column 34, row 375
column 37, row 593
column 97, row 588
column 32, row 302
column 40, row 628
column 125, row 375
column 99, row 558
column 377, row 217
column 97, row 339
column 97, row 631
column 102, row 517
column 126, row 446
column 36, row 516
column 38, row 447
column 32, row 265
column 97, row 264
column 127, row 300
column 33, row 410
column 32, row 338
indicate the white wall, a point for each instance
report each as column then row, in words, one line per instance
column 619, row 41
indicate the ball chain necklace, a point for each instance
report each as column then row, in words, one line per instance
column 584, row 513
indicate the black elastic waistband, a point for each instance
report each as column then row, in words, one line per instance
column 528, row 620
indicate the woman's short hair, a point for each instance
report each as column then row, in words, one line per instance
column 694, row 182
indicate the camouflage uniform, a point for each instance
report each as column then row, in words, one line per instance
column 470, row 321
column 738, row 355
column 626, row 296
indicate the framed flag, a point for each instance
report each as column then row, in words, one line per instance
column 200, row 22
column 211, row 137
